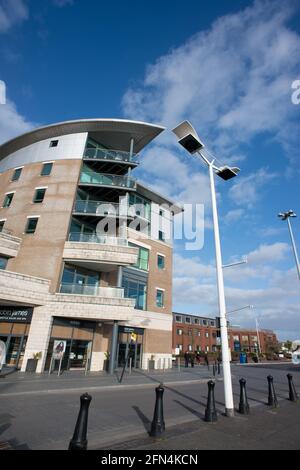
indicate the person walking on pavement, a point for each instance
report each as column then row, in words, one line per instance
column 192, row 359
column 206, row 360
column 186, row 358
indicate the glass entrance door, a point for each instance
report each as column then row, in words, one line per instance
column 79, row 354
column 129, row 350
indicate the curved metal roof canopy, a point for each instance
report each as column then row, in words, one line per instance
column 112, row 133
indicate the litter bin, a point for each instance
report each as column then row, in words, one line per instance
column 243, row 358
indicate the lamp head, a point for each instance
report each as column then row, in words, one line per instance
column 188, row 137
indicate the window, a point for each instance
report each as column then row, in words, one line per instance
column 159, row 298
column 179, row 332
column 161, row 236
column 196, row 321
column 212, row 323
column 190, row 347
column 190, row 332
column 8, row 199
column 178, row 318
column 135, row 290
column 39, row 195
column 198, row 333
column 47, row 168
column 179, row 346
column 17, row 173
column 54, row 143
column 143, row 259
column 3, row 262
column 79, row 281
column 142, row 206
column 207, row 348
column 206, row 334
column 2, row 222
column 187, row 319
column 204, row 322
column 160, row 262
column 31, row 224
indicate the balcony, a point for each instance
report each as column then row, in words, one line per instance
column 103, row 253
column 16, row 288
column 103, row 209
column 9, row 244
column 78, row 289
column 104, row 179
column 111, row 156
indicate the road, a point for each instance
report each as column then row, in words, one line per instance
column 45, row 418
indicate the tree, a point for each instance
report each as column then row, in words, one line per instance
column 288, row 345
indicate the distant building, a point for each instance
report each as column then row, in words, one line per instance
column 194, row 333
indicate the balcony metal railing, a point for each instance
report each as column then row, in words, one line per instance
column 95, row 238
column 103, row 208
column 104, row 179
column 111, row 155
column 79, row 289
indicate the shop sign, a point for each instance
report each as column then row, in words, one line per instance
column 16, row 314
column 128, row 329
column 59, row 348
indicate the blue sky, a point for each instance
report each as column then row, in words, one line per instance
column 228, row 67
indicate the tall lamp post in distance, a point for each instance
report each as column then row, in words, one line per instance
column 189, row 139
column 286, row 216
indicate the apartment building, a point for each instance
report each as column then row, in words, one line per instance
column 85, row 249
column 195, row 333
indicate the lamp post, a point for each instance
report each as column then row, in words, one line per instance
column 188, row 138
column 286, row 216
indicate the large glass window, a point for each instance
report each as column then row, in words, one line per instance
column 79, row 281
column 17, row 173
column 3, row 262
column 142, row 206
column 143, row 259
column 135, row 290
column 8, row 199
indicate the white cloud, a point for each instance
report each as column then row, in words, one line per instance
column 233, row 216
column 246, row 190
column 12, row 123
column 268, row 253
column 232, row 81
column 12, row 12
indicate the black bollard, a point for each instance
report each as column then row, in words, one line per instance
column 79, row 440
column 219, row 368
column 158, row 423
column 211, row 412
column 292, row 390
column 272, row 399
column 244, row 408
column 214, row 370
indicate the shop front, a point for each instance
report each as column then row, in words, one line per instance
column 14, row 328
column 130, row 345
column 74, row 338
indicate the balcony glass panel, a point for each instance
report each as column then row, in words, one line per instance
column 97, row 207
column 104, row 179
column 78, row 289
column 113, row 155
column 95, row 238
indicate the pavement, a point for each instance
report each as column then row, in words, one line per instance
column 40, row 412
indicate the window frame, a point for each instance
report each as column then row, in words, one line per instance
column 35, row 195
column 4, row 204
column 56, row 141
column 13, row 178
column 29, row 219
column 162, row 292
column 162, row 257
column 44, row 166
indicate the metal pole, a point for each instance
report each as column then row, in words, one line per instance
column 294, row 246
column 229, row 405
column 114, row 341
column 258, row 338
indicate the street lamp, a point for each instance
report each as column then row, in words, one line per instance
column 189, row 139
column 286, row 216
